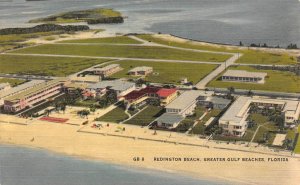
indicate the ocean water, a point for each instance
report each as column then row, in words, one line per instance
column 275, row 22
column 23, row 166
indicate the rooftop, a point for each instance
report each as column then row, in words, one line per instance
column 141, row 68
column 166, row 92
column 245, row 74
column 118, row 85
column 139, row 93
column 239, row 108
column 108, row 67
column 185, row 99
column 170, row 118
column 19, row 88
column 35, row 89
column 218, row 100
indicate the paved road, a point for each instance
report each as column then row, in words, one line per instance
column 99, row 44
column 257, row 93
column 202, row 84
column 115, row 58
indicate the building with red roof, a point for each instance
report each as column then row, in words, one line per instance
column 140, row 96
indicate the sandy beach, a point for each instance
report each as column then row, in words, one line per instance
column 65, row 139
column 172, row 38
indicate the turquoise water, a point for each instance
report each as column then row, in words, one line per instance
column 225, row 21
column 23, row 166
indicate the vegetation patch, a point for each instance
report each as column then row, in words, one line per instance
column 145, row 117
column 250, row 56
column 297, row 148
column 115, row 116
column 92, row 16
column 290, row 80
column 52, row 66
column 167, row 72
column 108, row 40
column 146, row 52
column 13, row 82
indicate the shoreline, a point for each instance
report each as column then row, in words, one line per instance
column 115, row 164
column 65, row 140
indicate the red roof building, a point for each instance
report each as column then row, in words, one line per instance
column 165, row 95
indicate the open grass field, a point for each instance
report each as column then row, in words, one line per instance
column 11, row 81
column 12, row 41
column 145, row 117
column 297, row 148
column 167, row 72
column 53, row 66
column 250, row 56
column 275, row 81
column 115, row 116
column 106, row 40
column 149, row 52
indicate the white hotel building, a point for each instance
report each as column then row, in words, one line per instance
column 234, row 121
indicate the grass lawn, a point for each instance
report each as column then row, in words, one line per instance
column 190, row 120
column 145, row 117
column 200, row 128
column 12, row 41
column 53, row 66
column 297, row 148
column 250, row 56
column 11, row 81
column 163, row 73
column 148, row 52
column 266, row 126
column 115, row 116
column 273, row 82
column 85, row 103
column 109, row 40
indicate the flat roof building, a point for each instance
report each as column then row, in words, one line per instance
column 86, row 78
column 234, row 120
column 169, row 121
column 244, row 76
column 121, row 87
column 107, row 70
column 32, row 95
column 14, row 90
column 140, row 71
column 186, row 102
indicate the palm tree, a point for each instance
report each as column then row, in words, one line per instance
column 250, row 93
column 47, row 112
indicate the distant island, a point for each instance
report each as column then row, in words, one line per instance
column 43, row 28
column 92, row 16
